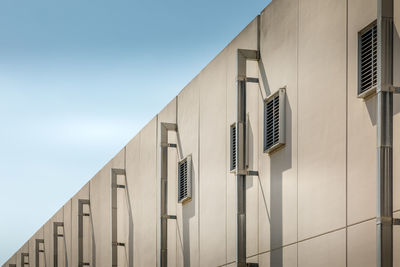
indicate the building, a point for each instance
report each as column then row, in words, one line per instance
column 310, row 201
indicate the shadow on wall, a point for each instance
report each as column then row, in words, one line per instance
column 65, row 248
column 370, row 102
column 129, row 251
column 188, row 212
column 93, row 239
column 280, row 161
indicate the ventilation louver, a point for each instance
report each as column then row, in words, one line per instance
column 233, row 145
column 367, row 60
column 185, row 179
column 274, row 121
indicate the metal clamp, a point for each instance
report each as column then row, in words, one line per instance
column 84, row 214
column 252, row 80
column 246, row 172
column 252, row 173
column 118, row 244
column 84, row 264
column 384, row 220
column 170, row 217
column 394, row 89
column 396, row 221
column 168, row 145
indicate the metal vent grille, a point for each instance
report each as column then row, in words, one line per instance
column 185, row 179
column 233, row 147
column 368, row 40
column 274, row 125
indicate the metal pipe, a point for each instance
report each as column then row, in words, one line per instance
column 384, row 224
column 165, row 127
column 241, row 170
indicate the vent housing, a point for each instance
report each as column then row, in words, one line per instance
column 274, row 121
column 233, row 147
column 367, row 60
column 185, row 179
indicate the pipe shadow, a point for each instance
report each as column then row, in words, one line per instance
column 280, row 161
column 188, row 212
column 264, row 80
column 131, row 226
column 92, row 237
column 65, row 248
column 371, row 102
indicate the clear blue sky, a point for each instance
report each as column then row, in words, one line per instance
column 79, row 79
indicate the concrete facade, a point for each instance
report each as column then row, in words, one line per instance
column 314, row 201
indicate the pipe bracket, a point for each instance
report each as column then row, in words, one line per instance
column 384, row 220
column 171, row 217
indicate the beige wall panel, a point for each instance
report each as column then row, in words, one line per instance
column 213, row 169
column 148, row 187
column 100, row 210
column 278, row 171
column 142, row 188
column 361, row 115
column 322, row 116
column 133, row 191
column 188, row 143
column 87, row 230
column 326, row 250
column 68, row 233
column 286, row 257
column 168, row 114
column 361, row 244
column 247, row 39
column 396, row 242
column 48, row 242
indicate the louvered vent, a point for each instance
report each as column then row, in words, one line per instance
column 368, row 40
column 274, row 121
column 185, row 179
column 233, row 145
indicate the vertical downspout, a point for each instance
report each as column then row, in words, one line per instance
column 241, row 169
column 164, row 196
column 241, row 161
column 385, row 135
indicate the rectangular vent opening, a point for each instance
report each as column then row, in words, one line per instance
column 185, row 179
column 233, row 147
column 274, row 121
column 367, row 60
